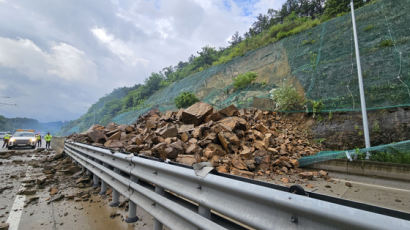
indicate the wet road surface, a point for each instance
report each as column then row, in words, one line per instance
column 79, row 208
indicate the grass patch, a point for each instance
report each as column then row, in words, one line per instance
column 386, row 43
column 308, row 42
column 368, row 28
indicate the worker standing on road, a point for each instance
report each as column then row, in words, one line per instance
column 6, row 139
column 48, row 140
column 38, row 137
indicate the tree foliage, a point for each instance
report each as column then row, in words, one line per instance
column 185, row 99
column 287, row 98
column 243, row 80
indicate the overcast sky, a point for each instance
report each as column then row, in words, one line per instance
column 58, row 57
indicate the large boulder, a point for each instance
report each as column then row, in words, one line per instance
column 196, row 113
column 96, row 135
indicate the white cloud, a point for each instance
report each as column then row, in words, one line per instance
column 118, row 47
column 47, row 47
column 63, row 60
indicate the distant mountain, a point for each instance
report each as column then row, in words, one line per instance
column 11, row 124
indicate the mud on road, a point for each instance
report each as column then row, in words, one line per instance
column 41, row 189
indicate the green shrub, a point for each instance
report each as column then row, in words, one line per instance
column 368, row 28
column 386, row 43
column 243, row 80
column 185, row 99
column 308, row 42
column 287, row 98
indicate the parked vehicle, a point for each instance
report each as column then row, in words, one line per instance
column 22, row 139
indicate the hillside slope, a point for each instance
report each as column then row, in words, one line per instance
column 319, row 62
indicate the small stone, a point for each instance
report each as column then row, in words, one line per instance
column 53, row 191
column 306, row 175
column 4, row 226
column 284, row 180
column 348, row 184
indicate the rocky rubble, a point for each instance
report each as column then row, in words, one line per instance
column 244, row 142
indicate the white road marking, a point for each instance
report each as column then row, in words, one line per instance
column 17, row 209
column 16, row 212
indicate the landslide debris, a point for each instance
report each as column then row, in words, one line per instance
column 244, row 142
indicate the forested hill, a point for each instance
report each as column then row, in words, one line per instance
column 11, row 124
column 304, row 41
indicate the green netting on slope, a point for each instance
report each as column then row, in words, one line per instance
column 395, row 153
column 327, row 69
column 321, row 60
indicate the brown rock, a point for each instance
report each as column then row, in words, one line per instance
column 186, row 159
column 222, row 169
column 4, row 226
column 260, row 145
column 233, row 123
column 196, row 113
column 133, row 148
column 242, row 173
column 53, row 191
column 216, row 116
column 192, row 149
column 323, row 173
column 229, row 111
column 129, row 129
column 348, row 184
column 246, row 152
column 184, row 137
column 186, row 128
column 167, row 131
column 96, row 135
column 306, row 175
column 294, row 163
column 111, row 126
column 113, row 144
column 261, row 128
column 213, row 149
column 227, row 139
column 284, row 180
column 239, row 164
column 137, row 140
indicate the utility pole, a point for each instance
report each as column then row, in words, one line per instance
column 359, row 73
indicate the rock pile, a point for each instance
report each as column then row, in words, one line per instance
column 245, row 142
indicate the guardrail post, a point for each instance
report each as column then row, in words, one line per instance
column 115, row 194
column 204, row 211
column 157, row 224
column 132, row 207
column 103, row 185
column 95, row 181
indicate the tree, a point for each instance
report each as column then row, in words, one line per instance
column 235, row 39
column 206, row 57
column 335, row 7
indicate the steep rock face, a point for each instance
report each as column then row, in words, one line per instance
column 345, row 130
column 249, row 142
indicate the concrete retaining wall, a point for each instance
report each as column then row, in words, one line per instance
column 366, row 168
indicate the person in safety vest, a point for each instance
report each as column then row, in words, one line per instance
column 48, row 140
column 6, row 139
column 38, row 137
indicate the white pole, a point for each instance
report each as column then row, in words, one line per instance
column 359, row 73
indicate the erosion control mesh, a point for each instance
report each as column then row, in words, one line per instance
column 320, row 62
column 395, row 153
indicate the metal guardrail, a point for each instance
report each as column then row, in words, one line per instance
column 176, row 197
